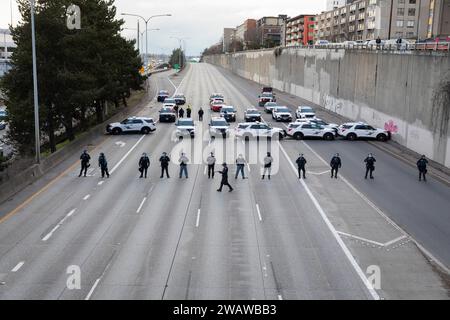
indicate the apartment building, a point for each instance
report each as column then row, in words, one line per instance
column 439, row 19
column 299, row 30
column 246, row 32
column 334, row 4
column 228, row 37
column 369, row 19
column 269, row 30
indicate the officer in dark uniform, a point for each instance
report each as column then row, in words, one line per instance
column 370, row 165
column 165, row 160
column 335, row 165
column 301, row 162
column 181, row 113
column 422, row 166
column 200, row 114
column 224, row 181
column 144, row 163
column 103, row 164
column 85, row 158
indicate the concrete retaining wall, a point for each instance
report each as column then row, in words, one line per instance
column 408, row 94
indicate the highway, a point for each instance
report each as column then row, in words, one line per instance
column 269, row 239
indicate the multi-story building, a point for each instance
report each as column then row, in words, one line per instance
column 299, row 30
column 7, row 44
column 228, row 37
column 246, row 33
column 439, row 21
column 369, row 19
column 269, row 30
column 334, row 4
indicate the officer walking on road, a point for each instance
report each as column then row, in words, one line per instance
column 200, row 114
column 370, row 165
column 211, row 161
column 181, row 113
column 144, row 163
column 240, row 163
column 103, row 164
column 422, row 166
column 224, row 181
column 188, row 111
column 165, row 160
column 85, row 158
column 267, row 165
column 301, row 162
column 335, row 165
column 183, row 165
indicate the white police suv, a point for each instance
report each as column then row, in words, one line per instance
column 142, row 125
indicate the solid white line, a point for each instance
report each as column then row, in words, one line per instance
column 359, row 238
column 204, row 171
column 175, row 87
column 259, row 212
column 86, row 197
column 387, row 244
column 92, row 289
column 142, row 204
column 197, row 223
column 319, row 173
column 19, row 265
column 341, row 243
column 126, row 155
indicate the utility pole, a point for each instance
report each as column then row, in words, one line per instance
column 35, row 87
column 138, row 38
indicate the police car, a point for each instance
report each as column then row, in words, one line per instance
column 305, row 112
column 269, row 106
column 162, row 95
column 143, row 125
column 281, row 114
column 248, row 130
column 219, row 127
column 252, row 115
column 229, row 113
column 355, row 130
column 185, row 127
column 301, row 130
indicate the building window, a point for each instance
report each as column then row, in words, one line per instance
column 401, row 1
column 400, row 11
column 412, row 1
column 399, row 23
column 411, row 12
column 410, row 24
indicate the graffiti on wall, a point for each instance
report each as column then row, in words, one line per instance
column 391, row 127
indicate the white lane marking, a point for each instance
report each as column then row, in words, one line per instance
column 86, row 197
column 259, row 212
column 280, row 297
column 50, row 234
column 204, row 171
column 93, row 289
column 18, row 266
column 387, row 244
column 319, row 173
column 341, row 243
column 197, row 223
column 126, row 155
column 141, row 205
column 120, row 144
column 101, row 182
column 360, row 238
column 174, row 86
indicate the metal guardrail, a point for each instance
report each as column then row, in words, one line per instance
column 430, row 46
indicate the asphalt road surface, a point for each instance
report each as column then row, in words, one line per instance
column 131, row 238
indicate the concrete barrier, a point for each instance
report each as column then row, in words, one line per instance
column 407, row 93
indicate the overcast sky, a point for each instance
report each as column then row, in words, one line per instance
column 202, row 21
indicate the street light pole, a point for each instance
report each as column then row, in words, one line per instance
column 35, row 87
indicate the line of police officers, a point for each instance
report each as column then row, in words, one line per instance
column 144, row 164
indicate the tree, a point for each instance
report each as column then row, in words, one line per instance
column 79, row 71
column 177, row 57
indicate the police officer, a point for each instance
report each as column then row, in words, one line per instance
column 183, row 165
column 188, row 111
column 181, row 113
column 200, row 114
column 165, row 160
column 240, row 163
column 85, row 158
column 144, row 163
column 103, row 164
column 224, row 181
column 422, row 166
column 211, row 161
column 301, row 162
column 335, row 165
column 267, row 165
column 370, row 165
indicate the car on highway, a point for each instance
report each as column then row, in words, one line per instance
column 2, row 125
column 267, row 90
column 167, row 114
column 249, row 130
column 266, row 97
column 3, row 115
column 216, row 96
column 305, row 112
column 355, row 130
column 321, row 43
column 219, row 127
column 185, row 127
column 180, row 99
column 228, row 113
column 301, row 130
column 216, row 105
column 170, row 101
column 281, row 113
column 320, row 122
column 162, row 95
column 143, row 125
column 268, row 107
column 252, row 115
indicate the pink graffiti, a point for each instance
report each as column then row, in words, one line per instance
column 391, row 126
